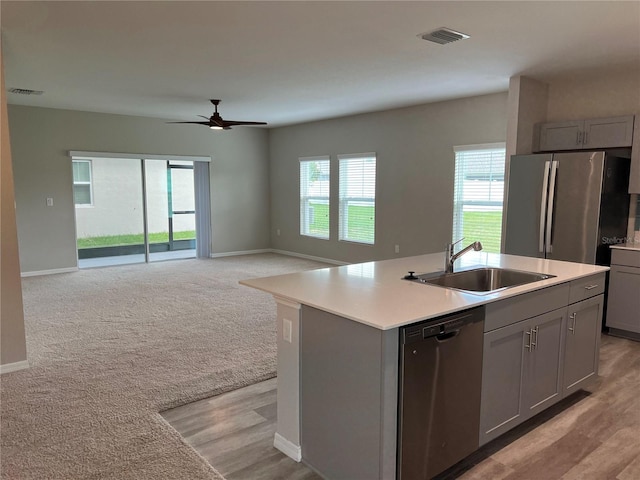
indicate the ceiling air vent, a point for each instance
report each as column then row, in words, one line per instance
column 443, row 36
column 25, row 91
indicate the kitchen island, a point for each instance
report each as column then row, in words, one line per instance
column 338, row 347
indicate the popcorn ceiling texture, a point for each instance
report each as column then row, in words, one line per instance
column 109, row 348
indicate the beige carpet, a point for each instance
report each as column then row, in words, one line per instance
column 109, row 348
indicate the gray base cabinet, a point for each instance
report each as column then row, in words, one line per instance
column 531, row 362
column 582, row 343
column 623, row 307
column 521, row 372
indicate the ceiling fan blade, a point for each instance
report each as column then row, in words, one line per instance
column 197, row 123
column 202, row 116
column 237, row 122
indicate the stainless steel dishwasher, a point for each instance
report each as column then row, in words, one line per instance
column 439, row 393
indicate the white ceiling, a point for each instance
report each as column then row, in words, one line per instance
column 290, row 62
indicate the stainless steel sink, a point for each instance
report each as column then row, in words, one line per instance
column 482, row 280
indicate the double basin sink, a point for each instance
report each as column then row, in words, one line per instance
column 480, row 280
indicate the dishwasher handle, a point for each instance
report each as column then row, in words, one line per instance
column 445, row 337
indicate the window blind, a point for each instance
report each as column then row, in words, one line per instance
column 478, row 195
column 314, row 196
column 82, row 189
column 357, row 198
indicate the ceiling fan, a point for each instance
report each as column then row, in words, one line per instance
column 215, row 121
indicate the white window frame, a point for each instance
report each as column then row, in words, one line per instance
column 345, row 199
column 306, row 197
column 496, row 199
column 90, row 182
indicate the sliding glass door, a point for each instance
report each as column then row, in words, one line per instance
column 132, row 210
column 109, row 211
column 170, row 209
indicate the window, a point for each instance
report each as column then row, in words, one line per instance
column 357, row 198
column 478, row 194
column 82, row 190
column 314, row 196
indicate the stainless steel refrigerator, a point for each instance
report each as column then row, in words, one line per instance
column 567, row 206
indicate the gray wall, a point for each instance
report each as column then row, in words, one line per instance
column 415, row 169
column 41, row 139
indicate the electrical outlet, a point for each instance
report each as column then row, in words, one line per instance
column 49, row 201
column 287, row 326
column 397, row 248
column 278, row 232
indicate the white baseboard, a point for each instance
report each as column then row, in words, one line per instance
column 49, row 272
column 14, row 367
column 308, row 257
column 291, row 450
column 241, row 252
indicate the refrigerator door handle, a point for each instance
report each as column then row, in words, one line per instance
column 551, row 205
column 543, row 204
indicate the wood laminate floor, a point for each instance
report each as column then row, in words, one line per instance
column 592, row 435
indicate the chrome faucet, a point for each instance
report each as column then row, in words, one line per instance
column 450, row 257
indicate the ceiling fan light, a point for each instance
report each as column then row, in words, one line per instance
column 215, row 127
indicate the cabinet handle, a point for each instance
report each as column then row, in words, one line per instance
column 534, row 339
column 591, row 287
column 578, row 138
column 585, row 139
column 528, row 345
column 572, row 328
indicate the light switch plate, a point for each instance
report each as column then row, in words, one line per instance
column 49, row 201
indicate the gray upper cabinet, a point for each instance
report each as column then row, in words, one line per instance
column 586, row 134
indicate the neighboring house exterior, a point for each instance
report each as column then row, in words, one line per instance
column 108, row 195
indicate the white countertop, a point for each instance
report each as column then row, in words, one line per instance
column 374, row 293
column 627, row 246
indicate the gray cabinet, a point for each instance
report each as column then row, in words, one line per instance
column 634, row 174
column 582, row 343
column 521, row 372
column 586, row 134
column 623, row 306
column 543, row 360
column 538, row 348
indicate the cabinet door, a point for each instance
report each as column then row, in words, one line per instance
column 503, row 357
column 608, row 132
column 542, row 362
column 623, row 306
column 634, row 174
column 582, row 343
column 561, row 136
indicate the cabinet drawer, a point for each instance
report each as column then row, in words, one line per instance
column 587, row 287
column 512, row 310
column 629, row 258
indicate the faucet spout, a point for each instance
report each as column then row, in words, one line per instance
column 451, row 257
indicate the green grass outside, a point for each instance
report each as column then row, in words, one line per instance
column 365, row 230
column 133, row 239
column 475, row 224
column 365, row 233
column 320, row 224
